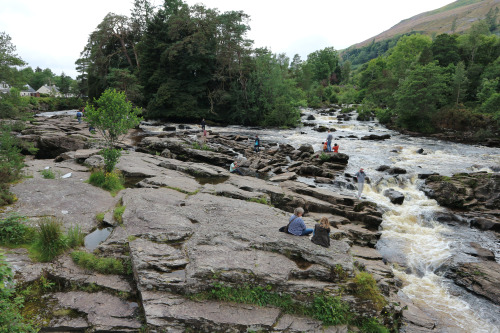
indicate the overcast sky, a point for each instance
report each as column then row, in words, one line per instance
column 52, row 33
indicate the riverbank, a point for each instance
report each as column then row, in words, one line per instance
column 189, row 224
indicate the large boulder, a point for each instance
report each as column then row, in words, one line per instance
column 394, row 196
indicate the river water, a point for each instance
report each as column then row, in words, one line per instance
column 417, row 246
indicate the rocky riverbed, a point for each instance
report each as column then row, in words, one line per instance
column 188, row 224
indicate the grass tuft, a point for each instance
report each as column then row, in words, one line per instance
column 49, row 239
column 109, row 181
column 102, row 265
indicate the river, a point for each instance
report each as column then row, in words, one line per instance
column 419, row 248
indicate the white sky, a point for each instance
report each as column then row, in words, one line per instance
column 52, row 33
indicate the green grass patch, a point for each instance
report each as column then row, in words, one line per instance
column 75, row 237
column 324, row 157
column 6, row 197
column 196, row 145
column 261, row 200
column 109, row 181
column 48, row 174
column 118, row 212
column 366, row 288
column 49, row 239
column 102, row 265
column 100, row 217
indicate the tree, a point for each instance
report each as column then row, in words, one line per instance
column 8, row 60
column 112, row 116
column 324, row 63
column 459, row 82
column 420, row 95
column 406, row 53
column 445, row 49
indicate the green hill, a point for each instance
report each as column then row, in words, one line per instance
column 455, row 17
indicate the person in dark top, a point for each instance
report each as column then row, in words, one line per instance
column 321, row 234
column 257, row 144
column 203, row 124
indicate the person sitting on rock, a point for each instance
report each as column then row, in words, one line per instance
column 234, row 168
column 296, row 224
column 335, row 148
column 321, row 234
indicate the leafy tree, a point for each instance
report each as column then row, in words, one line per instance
column 405, row 54
column 445, row 49
column 9, row 60
column 123, row 80
column 420, row 95
column 324, row 63
column 470, row 42
column 112, row 116
column 377, row 83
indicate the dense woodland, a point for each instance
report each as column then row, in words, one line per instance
column 185, row 63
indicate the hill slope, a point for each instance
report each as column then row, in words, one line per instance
column 463, row 12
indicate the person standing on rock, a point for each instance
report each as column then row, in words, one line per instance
column 296, row 224
column 360, row 176
column 203, row 123
column 321, row 234
column 79, row 115
column 257, row 144
column 329, row 139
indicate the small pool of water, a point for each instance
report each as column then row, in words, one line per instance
column 96, row 237
column 131, row 182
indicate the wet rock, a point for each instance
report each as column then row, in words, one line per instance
column 425, row 175
column 482, row 278
column 169, row 128
column 383, row 168
column 480, row 252
column 394, row 196
column 283, row 177
column 361, row 236
column 307, row 148
column 485, row 223
column 322, row 180
column 420, row 151
column 311, row 117
column 376, row 137
column 395, row 171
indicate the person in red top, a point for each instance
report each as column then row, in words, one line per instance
column 335, row 148
column 325, row 146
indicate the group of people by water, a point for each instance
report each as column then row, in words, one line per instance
column 327, row 145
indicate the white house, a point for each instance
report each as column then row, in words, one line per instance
column 49, row 90
column 28, row 91
column 4, row 87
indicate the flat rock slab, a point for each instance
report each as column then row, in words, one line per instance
column 24, row 268
column 284, row 177
column 366, row 253
column 102, row 311
column 70, row 199
column 172, row 179
column 163, row 310
column 64, row 268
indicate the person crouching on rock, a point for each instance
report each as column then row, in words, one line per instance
column 321, row 234
column 325, row 147
column 296, row 225
column 234, row 168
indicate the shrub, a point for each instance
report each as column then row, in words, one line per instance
column 109, row 181
column 384, row 116
column 102, row 265
column 48, row 174
column 50, row 241
column 14, row 232
column 196, row 145
column 324, row 157
column 111, row 157
column 6, row 197
column 75, row 237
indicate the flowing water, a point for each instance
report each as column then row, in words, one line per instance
column 419, row 248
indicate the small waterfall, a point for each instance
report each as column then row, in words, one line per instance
column 419, row 249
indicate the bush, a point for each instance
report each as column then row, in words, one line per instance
column 110, row 181
column 14, row 232
column 50, row 241
column 102, row 265
column 6, row 197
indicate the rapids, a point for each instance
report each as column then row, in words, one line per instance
column 419, row 248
